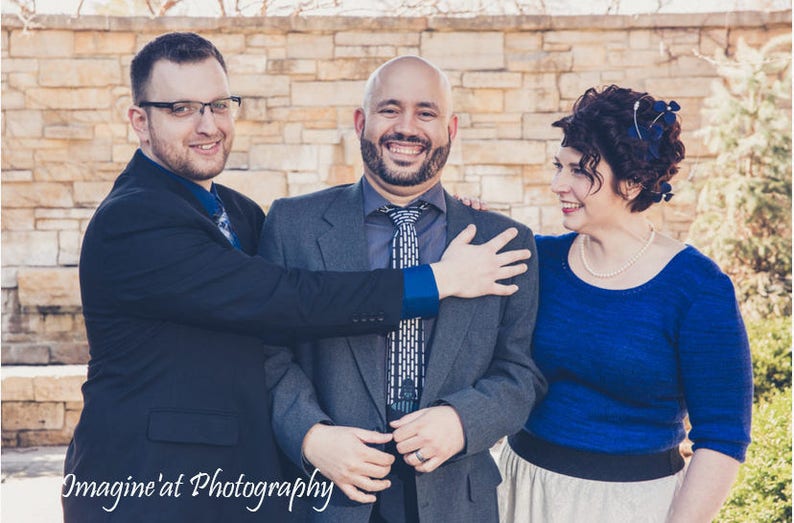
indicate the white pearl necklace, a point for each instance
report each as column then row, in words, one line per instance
column 631, row 261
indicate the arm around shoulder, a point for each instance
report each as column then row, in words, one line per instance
column 157, row 262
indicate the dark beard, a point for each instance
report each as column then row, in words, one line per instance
column 429, row 168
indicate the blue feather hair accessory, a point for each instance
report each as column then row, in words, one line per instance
column 652, row 133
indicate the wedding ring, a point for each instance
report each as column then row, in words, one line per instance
column 418, row 454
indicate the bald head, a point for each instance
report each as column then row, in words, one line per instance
column 418, row 76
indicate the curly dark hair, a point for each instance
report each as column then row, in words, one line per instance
column 599, row 128
column 179, row 48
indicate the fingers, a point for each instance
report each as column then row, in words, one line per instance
column 345, row 455
column 436, row 433
column 374, row 471
column 465, row 236
column 475, row 203
column 406, row 428
column 356, row 495
column 376, row 457
column 496, row 243
column 468, row 270
column 502, row 290
column 412, row 459
column 371, row 436
column 411, row 444
column 366, row 478
column 429, row 465
column 507, row 272
column 362, row 487
column 408, row 418
column 502, row 239
column 372, row 484
column 508, row 257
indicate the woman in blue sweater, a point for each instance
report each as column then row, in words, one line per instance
column 635, row 331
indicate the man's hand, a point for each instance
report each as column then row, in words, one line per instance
column 469, row 271
column 436, row 432
column 342, row 455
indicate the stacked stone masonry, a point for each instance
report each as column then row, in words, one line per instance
column 41, row 405
column 65, row 92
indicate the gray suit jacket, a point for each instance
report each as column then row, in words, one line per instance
column 480, row 360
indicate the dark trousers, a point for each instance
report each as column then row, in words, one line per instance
column 398, row 503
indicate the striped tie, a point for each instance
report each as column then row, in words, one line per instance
column 405, row 372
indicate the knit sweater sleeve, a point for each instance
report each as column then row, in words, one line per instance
column 716, row 370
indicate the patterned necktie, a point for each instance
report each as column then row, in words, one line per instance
column 221, row 219
column 405, row 372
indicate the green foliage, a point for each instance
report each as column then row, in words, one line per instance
column 743, row 217
column 762, row 492
column 770, row 343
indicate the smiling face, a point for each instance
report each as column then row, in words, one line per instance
column 194, row 147
column 584, row 206
column 406, row 126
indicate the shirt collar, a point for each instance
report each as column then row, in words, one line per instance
column 208, row 199
column 374, row 201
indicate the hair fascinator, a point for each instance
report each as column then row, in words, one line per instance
column 665, row 193
column 652, row 133
column 665, row 110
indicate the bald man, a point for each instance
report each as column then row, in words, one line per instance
column 402, row 423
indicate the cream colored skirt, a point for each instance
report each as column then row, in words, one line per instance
column 530, row 494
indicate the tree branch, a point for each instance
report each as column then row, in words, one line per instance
column 167, row 5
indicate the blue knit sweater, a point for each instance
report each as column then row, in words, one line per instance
column 625, row 366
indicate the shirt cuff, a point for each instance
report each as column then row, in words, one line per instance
column 420, row 293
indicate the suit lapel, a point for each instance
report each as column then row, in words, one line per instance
column 344, row 248
column 141, row 172
column 454, row 315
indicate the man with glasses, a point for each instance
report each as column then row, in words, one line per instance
column 176, row 419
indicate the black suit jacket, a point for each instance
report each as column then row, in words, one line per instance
column 175, row 319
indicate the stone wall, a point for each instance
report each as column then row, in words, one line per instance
column 65, row 91
column 41, row 404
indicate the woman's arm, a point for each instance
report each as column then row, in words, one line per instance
column 706, row 485
column 718, row 389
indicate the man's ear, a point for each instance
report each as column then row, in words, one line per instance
column 452, row 127
column 359, row 120
column 139, row 119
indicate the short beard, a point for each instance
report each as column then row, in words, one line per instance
column 429, row 168
column 179, row 163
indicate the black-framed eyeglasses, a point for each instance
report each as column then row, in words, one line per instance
column 228, row 106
